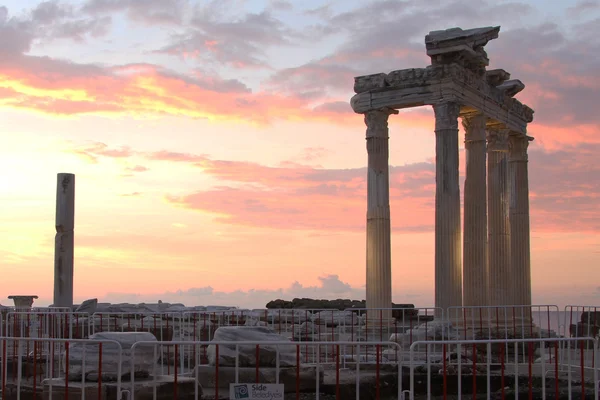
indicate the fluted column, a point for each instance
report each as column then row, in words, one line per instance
column 475, row 261
column 519, row 219
column 379, row 269
column 498, row 221
column 448, row 274
column 64, row 241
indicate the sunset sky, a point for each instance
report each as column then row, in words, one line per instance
column 218, row 161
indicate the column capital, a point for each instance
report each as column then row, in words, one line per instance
column 474, row 125
column 517, row 145
column 497, row 140
column 377, row 122
column 446, row 115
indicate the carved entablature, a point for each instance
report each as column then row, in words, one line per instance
column 496, row 77
column 369, row 82
column 512, row 87
column 426, row 78
column 463, row 47
column 457, row 74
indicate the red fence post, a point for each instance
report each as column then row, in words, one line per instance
column 474, row 371
column 4, row 366
column 377, row 384
column 257, row 363
column 297, row 372
column 582, row 371
column 217, row 371
column 556, row 369
column 175, row 375
column 337, row 373
column 502, row 349
column 100, row 371
column 67, row 370
column 530, row 362
column 34, row 369
column 445, row 377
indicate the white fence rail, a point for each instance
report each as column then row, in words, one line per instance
column 540, row 367
column 43, row 368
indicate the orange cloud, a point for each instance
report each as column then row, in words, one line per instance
column 60, row 88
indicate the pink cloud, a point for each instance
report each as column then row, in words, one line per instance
column 297, row 196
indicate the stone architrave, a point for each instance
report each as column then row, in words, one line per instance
column 500, row 271
column 475, row 258
column 519, row 219
column 379, row 269
column 64, row 241
column 448, row 271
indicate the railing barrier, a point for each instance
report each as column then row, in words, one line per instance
column 497, row 368
column 45, row 367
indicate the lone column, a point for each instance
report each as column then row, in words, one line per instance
column 63, row 250
column 519, row 219
column 500, row 278
column 448, row 274
column 379, row 269
column 475, row 268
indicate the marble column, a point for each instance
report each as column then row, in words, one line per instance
column 500, row 272
column 519, row 219
column 448, row 280
column 379, row 268
column 63, row 250
column 475, row 261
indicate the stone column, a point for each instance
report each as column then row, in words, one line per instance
column 379, row 268
column 63, row 250
column 475, row 261
column 519, row 219
column 448, row 280
column 498, row 221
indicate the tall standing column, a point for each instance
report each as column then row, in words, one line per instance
column 498, row 220
column 475, row 261
column 519, row 219
column 448, row 280
column 379, row 267
column 63, row 250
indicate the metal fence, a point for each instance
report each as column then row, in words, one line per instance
column 581, row 321
column 510, row 368
column 45, row 323
column 45, row 367
column 502, row 322
column 379, row 353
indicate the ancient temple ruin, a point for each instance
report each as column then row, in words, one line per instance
column 492, row 265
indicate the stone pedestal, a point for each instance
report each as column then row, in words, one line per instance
column 500, row 270
column 519, row 220
column 379, row 269
column 63, row 250
column 448, row 274
column 23, row 302
column 475, row 261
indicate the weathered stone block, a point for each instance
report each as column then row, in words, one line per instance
column 84, row 357
column 247, row 353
